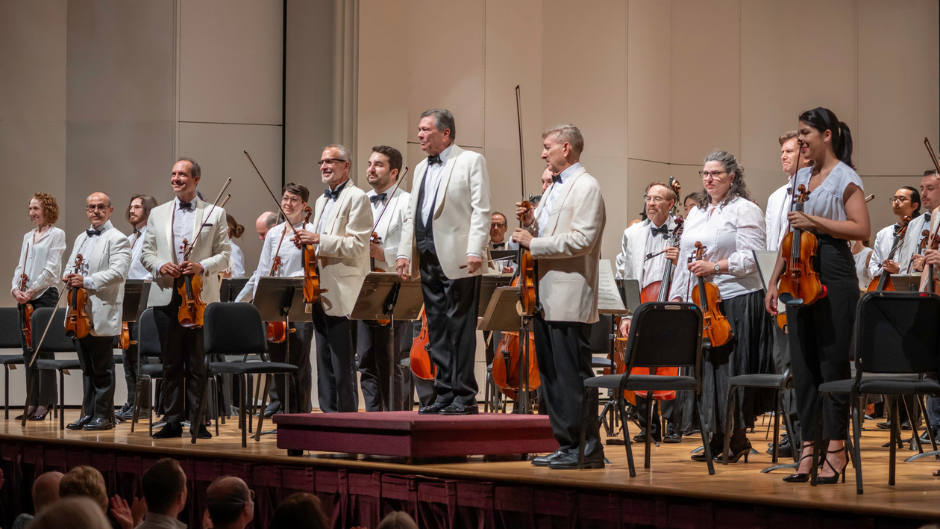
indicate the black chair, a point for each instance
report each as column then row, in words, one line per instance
column 897, row 343
column 780, row 384
column 661, row 335
column 237, row 329
column 148, row 346
column 55, row 342
column 10, row 334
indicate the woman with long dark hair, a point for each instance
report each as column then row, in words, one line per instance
column 820, row 334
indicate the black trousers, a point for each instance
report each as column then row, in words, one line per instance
column 132, row 367
column 375, row 373
column 96, row 356
column 295, row 350
column 451, row 308
column 336, row 362
column 184, row 359
column 564, row 355
column 671, row 411
column 41, row 388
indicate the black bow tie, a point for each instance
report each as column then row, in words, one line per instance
column 498, row 245
column 136, row 231
column 92, row 233
column 186, row 205
column 556, row 178
column 378, row 197
column 927, row 217
column 436, row 159
column 897, row 228
column 331, row 195
column 664, row 230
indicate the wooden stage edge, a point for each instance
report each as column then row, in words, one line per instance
column 915, row 496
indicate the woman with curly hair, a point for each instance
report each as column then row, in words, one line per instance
column 36, row 284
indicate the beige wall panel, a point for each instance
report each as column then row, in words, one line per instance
column 706, row 83
column 884, row 187
column 383, row 80
column 121, row 60
column 778, row 81
column 898, row 83
column 32, row 159
column 32, row 60
column 513, row 57
column 230, row 61
column 649, row 79
column 218, row 149
column 610, row 172
column 446, row 65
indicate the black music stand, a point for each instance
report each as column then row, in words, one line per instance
column 384, row 295
column 231, row 287
column 503, row 313
column 281, row 299
column 136, row 293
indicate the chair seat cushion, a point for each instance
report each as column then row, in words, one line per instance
column 11, row 359
column 643, row 382
column 58, row 364
column 891, row 385
column 262, row 368
column 758, row 381
column 152, row 370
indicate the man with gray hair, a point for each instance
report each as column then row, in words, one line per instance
column 448, row 219
column 45, row 493
column 265, row 222
column 231, row 504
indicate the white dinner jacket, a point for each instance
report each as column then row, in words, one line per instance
column 107, row 268
column 632, row 254
column 212, row 250
column 344, row 249
column 461, row 215
column 390, row 228
column 569, row 251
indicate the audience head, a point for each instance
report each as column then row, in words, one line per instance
column 398, row 520
column 46, row 490
column 300, row 511
column 164, row 487
column 73, row 513
column 85, row 481
column 231, row 503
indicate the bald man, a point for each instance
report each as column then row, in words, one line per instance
column 231, row 504
column 45, row 493
column 265, row 222
column 105, row 260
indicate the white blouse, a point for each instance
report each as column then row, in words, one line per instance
column 826, row 200
column 44, row 263
column 237, row 260
column 731, row 232
column 861, row 268
column 292, row 259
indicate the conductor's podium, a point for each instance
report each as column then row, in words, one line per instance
column 407, row 434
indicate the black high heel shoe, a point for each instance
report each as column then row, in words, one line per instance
column 736, row 453
column 798, row 477
column 833, row 479
column 40, row 417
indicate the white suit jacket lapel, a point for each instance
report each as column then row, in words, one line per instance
column 386, row 219
column 446, row 173
column 561, row 200
column 169, row 231
column 639, row 248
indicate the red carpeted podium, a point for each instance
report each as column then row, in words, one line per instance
column 407, row 434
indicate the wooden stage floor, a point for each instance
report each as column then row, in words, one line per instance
column 916, row 495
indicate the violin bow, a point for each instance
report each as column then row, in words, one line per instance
column 933, row 155
column 394, row 189
column 215, row 204
column 266, row 186
column 48, row 323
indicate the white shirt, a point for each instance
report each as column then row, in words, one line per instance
column 137, row 270
column 506, row 245
column 183, row 220
column 237, row 260
column 731, row 232
column 915, row 230
column 86, row 251
column 292, row 259
column 653, row 269
column 775, row 218
column 861, row 268
column 432, row 180
column 551, row 195
column 826, row 200
column 44, row 262
column 328, row 208
column 884, row 242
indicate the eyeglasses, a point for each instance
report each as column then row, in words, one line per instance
column 98, row 207
column 654, row 200
column 711, row 174
column 331, row 161
column 499, row 225
column 898, row 199
column 291, row 199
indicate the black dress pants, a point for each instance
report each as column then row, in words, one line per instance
column 40, row 383
column 96, row 356
column 375, row 371
column 451, row 309
column 295, row 350
column 184, row 359
column 132, row 367
column 336, row 362
column 564, row 355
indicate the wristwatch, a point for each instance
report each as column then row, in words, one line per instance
column 717, row 269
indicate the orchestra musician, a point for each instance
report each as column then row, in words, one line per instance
column 820, row 333
column 498, row 241
column 342, row 225
column 546, row 178
column 731, row 227
column 106, row 258
column 295, row 348
column 930, row 200
column 373, row 338
column 162, row 255
column 265, row 222
column 564, row 235
column 41, row 262
column 236, row 266
column 904, row 203
column 448, row 219
column 649, row 237
column 137, row 214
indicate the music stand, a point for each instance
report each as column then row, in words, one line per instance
column 504, row 255
column 231, row 287
column 488, row 288
column 136, row 293
column 281, row 299
column 503, row 313
column 906, row 282
column 384, row 295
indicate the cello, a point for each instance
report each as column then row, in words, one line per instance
column 884, row 283
column 420, row 358
column 27, row 307
column 77, row 323
column 706, row 295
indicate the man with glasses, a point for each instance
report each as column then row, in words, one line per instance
column 500, row 243
column 106, row 257
column 904, row 203
column 342, row 225
column 649, row 237
column 231, row 504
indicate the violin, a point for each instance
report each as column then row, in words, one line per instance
column 27, row 307
column 124, row 341
column 420, row 357
column 883, row 282
column 77, row 323
column 189, row 287
column 277, row 330
column 798, row 280
column 312, row 288
column 707, row 296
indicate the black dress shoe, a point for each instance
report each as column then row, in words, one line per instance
column 785, row 449
column 126, row 413
column 672, row 436
column 570, row 461
column 641, row 437
column 203, row 432
column 461, row 409
column 79, row 424
column 543, row 461
column 98, row 423
column 169, row 431
column 924, row 438
column 433, row 409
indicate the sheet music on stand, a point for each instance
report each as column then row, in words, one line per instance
column 608, row 301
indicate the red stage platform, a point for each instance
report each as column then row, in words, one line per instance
column 407, row 434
